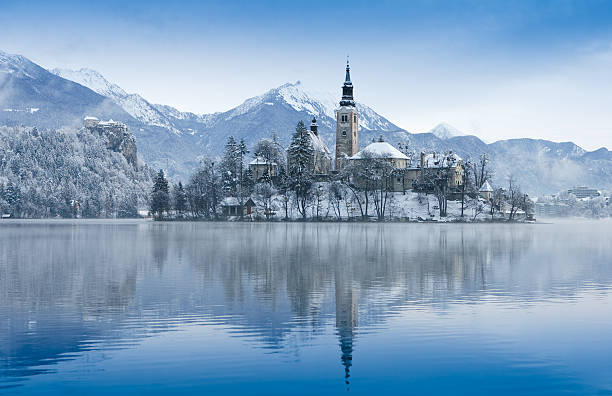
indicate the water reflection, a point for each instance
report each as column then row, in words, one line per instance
column 70, row 287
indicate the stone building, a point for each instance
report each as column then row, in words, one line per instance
column 260, row 168
column 347, row 124
column 385, row 151
column 434, row 162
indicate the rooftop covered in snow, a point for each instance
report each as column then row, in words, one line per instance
column 486, row 187
column 318, row 144
column 380, row 150
column 261, row 161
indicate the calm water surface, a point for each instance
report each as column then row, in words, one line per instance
column 203, row 308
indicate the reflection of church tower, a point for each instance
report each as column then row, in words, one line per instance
column 347, row 314
column 347, row 123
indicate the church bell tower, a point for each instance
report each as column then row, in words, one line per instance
column 347, row 124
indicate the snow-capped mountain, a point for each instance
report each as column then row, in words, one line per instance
column 30, row 95
column 275, row 111
column 174, row 140
column 445, row 131
column 133, row 104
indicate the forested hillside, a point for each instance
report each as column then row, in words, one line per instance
column 50, row 173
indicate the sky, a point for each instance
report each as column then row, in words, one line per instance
column 496, row 69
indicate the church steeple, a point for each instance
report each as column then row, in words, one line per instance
column 347, row 79
column 347, row 123
column 314, row 128
column 347, row 88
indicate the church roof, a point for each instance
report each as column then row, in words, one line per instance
column 318, row 144
column 381, row 150
column 261, row 161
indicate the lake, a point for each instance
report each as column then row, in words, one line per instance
column 138, row 307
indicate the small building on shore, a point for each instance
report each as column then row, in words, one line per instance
column 231, row 206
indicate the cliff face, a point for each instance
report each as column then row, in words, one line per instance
column 118, row 139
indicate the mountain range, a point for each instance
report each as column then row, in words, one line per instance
column 175, row 140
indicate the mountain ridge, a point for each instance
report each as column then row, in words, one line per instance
column 175, row 140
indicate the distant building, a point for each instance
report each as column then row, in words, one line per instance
column 552, row 209
column 261, row 168
column 584, row 192
column 486, row 191
column 90, row 122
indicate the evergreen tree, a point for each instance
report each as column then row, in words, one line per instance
column 180, row 199
column 160, row 199
column 12, row 196
column 300, row 166
column 232, row 169
column 229, row 168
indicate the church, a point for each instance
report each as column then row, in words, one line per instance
column 347, row 148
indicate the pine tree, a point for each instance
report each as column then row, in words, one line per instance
column 180, row 199
column 160, row 199
column 301, row 157
column 12, row 195
column 229, row 168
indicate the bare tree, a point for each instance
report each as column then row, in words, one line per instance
column 515, row 197
column 496, row 201
column 481, row 171
column 477, row 207
column 336, row 194
column 264, row 193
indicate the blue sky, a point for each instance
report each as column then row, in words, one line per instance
column 495, row 69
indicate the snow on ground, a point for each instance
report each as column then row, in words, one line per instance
column 400, row 206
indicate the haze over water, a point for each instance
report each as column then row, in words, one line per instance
column 136, row 307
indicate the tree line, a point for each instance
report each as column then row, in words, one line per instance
column 363, row 189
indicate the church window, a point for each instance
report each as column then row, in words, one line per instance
column 355, row 118
column 343, row 133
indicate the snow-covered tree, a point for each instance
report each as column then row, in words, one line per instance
column 66, row 172
column 271, row 151
column 179, row 199
column 204, row 191
column 300, row 167
column 160, row 197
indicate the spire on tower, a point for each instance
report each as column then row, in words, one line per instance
column 347, row 88
column 348, row 71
